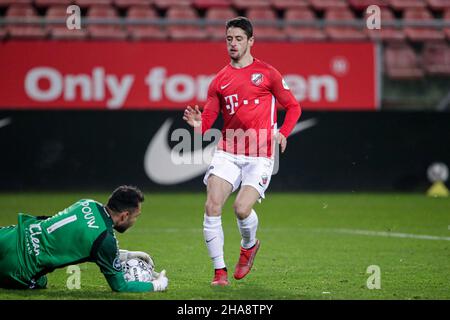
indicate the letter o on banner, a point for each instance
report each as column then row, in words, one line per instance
column 174, row 93
column 32, row 84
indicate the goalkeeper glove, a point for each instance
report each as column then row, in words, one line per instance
column 127, row 255
column 160, row 283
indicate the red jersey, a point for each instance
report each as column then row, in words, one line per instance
column 246, row 98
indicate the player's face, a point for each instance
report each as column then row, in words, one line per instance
column 237, row 43
column 128, row 220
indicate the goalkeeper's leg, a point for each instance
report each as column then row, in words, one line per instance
column 9, row 260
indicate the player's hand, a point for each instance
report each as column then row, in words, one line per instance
column 155, row 274
column 193, row 116
column 127, row 255
column 160, row 283
column 282, row 141
column 141, row 255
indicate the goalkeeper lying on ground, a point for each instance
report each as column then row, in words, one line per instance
column 81, row 233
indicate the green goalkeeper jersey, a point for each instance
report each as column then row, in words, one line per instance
column 81, row 233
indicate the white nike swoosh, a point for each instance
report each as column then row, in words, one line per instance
column 158, row 160
column 158, row 164
column 303, row 125
column 4, row 122
column 223, row 87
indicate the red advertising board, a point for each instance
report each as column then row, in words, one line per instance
column 165, row 75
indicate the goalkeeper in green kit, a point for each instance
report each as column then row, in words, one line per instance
column 84, row 232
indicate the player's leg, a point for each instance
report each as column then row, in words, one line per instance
column 246, row 217
column 9, row 260
column 256, row 174
column 247, row 221
column 222, row 178
column 218, row 191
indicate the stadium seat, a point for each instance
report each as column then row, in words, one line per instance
column 363, row 4
column 206, row 4
column 339, row 32
column 60, row 30
column 321, row 5
column 6, row 3
column 386, row 33
column 261, row 31
column 89, row 3
column 436, row 58
column 247, row 4
column 104, row 31
column 189, row 30
column 18, row 30
column 2, row 33
column 48, row 3
column 139, row 32
column 447, row 19
column 166, row 4
column 416, row 33
column 401, row 62
column 218, row 16
column 400, row 5
column 302, row 32
column 289, row 4
column 131, row 3
column 439, row 5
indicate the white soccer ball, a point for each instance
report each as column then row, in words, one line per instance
column 137, row 270
column 438, row 171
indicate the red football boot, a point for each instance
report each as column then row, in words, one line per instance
column 245, row 262
column 220, row 278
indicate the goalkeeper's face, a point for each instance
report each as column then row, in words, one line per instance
column 127, row 219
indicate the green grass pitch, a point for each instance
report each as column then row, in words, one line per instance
column 313, row 246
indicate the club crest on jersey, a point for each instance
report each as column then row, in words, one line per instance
column 264, row 179
column 116, row 264
column 257, row 78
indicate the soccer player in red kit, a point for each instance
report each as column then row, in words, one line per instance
column 245, row 92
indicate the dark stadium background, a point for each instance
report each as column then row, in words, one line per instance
column 386, row 146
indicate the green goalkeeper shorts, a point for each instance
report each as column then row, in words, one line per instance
column 11, row 275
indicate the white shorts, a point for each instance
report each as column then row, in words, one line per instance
column 241, row 170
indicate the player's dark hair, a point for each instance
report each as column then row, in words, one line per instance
column 125, row 198
column 243, row 23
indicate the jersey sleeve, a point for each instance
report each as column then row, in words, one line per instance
column 212, row 107
column 285, row 97
column 106, row 256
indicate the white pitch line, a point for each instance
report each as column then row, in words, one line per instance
column 307, row 230
column 389, row 234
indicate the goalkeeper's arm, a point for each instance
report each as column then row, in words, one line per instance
column 107, row 257
column 117, row 283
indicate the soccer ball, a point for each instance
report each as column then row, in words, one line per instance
column 137, row 270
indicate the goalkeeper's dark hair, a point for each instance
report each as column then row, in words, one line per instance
column 243, row 23
column 125, row 198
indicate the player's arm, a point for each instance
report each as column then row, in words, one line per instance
column 293, row 111
column 106, row 255
column 127, row 255
column 203, row 121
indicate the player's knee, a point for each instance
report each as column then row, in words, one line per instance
column 241, row 209
column 213, row 208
